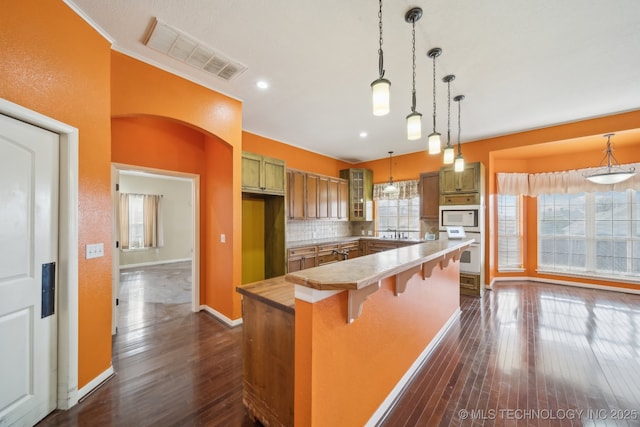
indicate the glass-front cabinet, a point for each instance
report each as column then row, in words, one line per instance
column 360, row 193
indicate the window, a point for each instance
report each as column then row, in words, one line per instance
column 590, row 233
column 510, row 237
column 140, row 218
column 398, row 218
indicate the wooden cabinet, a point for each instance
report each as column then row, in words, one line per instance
column 263, row 175
column 268, row 353
column 328, row 254
column 470, row 284
column 360, row 193
column 429, row 186
column 461, row 188
column 343, row 199
column 296, row 194
column 313, row 196
column 301, row 258
column 352, row 249
column 373, row 246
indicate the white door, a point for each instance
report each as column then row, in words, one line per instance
column 28, row 246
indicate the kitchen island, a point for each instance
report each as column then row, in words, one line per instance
column 354, row 335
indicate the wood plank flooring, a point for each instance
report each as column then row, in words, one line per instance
column 526, row 354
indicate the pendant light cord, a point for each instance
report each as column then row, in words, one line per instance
column 459, row 128
column 434, row 93
column 448, row 112
column 413, row 51
column 380, row 53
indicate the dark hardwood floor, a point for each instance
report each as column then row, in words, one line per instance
column 526, row 354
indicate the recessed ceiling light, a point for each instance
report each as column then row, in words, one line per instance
column 363, row 134
column 262, row 84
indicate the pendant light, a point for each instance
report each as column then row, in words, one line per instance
column 458, row 165
column 449, row 151
column 612, row 173
column 380, row 88
column 390, row 188
column 434, row 138
column 414, row 119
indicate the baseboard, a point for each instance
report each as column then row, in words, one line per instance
column 564, row 282
column 221, row 317
column 95, row 383
column 390, row 402
column 147, row 264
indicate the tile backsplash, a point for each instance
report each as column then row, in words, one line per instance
column 310, row 229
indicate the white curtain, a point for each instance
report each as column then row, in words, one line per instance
column 565, row 182
column 406, row 190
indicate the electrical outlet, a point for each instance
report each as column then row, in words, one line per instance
column 95, row 250
column 223, row 238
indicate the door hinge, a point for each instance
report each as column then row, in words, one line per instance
column 117, row 187
column 117, row 244
column 117, row 301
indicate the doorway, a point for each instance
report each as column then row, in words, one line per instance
column 180, row 212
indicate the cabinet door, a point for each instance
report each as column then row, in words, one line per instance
column 333, row 199
column 274, row 173
column 343, row 199
column 429, row 195
column 251, row 170
column 311, row 198
column 296, row 194
column 467, row 181
column 323, row 197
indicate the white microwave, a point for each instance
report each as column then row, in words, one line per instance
column 467, row 216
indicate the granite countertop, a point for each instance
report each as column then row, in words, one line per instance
column 360, row 272
column 344, row 239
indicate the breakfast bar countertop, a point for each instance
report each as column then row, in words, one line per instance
column 360, row 272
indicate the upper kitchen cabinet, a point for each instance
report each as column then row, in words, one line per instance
column 315, row 196
column 263, row 175
column 462, row 188
column 360, row 193
column 429, row 186
column 296, row 194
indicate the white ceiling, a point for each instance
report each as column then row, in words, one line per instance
column 520, row 64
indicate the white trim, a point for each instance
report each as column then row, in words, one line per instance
column 608, row 278
column 221, row 317
column 88, row 20
column 147, row 264
column 391, row 399
column 67, row 378
column 91, row 385
column 313, row 296
column 564, row 282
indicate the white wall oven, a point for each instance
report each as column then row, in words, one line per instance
column 469, row 218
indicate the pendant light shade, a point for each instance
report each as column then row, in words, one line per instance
column 449, row 152
column 612, row 172
column 434, row 139
column 381, row 87
column 414, row 119
column 390, row 188
column 458, row 165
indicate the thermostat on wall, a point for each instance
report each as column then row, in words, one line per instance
column 455, row 232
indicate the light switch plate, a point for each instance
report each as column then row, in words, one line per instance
column 95, row 250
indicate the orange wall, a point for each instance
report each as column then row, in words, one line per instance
column 295, row 158
column 56, row 64
column 343, row 372
column 140, row 89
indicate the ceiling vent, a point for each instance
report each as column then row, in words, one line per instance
column 180, row 46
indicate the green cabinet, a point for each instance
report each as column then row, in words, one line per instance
column 360, row 200
column 462, row 188
column 263, row 175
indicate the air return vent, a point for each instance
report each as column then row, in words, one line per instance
column 180, row 46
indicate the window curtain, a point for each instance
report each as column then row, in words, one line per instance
column 152, row 220
column 123, row 221
column 406, row 190
column 565, row 182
